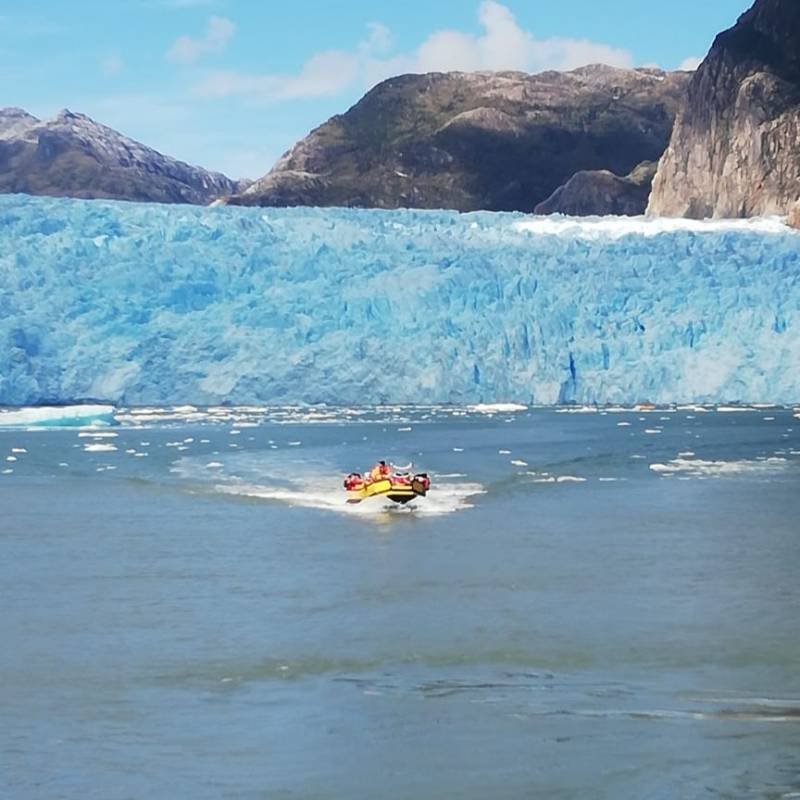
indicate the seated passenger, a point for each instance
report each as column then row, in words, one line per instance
column 380, row 471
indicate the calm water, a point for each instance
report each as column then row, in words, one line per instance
column 587, row 605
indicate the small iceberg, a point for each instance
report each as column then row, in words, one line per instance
column 57, row 416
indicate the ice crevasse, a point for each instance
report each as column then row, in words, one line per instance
column 133, row 303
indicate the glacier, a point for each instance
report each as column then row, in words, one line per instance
column 130, row 303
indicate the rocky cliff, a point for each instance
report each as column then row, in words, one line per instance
column 498, row 141
column 74, row 156
column 794, row 215
column 602, row 192
column 735, row 149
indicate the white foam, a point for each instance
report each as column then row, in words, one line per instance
column 617, row 227
column 698, row 468
column 443, row 498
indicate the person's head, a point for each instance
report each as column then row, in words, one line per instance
column 382, row 463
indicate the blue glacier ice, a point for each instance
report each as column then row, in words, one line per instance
column 143, row 304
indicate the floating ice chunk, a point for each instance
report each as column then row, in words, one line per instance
column 6, row 471
column 623, row 424
column 213, row 465
column 57, row 416
column 504, row 452
column 699, row 468
column 496, row 408
column 570, row 479
column 458, row 449
column 97, row 435
column 18, row 450
column 11, row 458
column 652, row 430
column 519, row 463
column 403, row 430
column 99, row 448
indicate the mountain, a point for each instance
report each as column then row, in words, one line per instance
column 735, row 149
column 74, row 156
column 467, row 141
column 591, row 192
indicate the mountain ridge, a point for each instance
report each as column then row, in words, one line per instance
column 73, row 155
column 481, row 140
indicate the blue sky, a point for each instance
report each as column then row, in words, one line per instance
column 231, row 84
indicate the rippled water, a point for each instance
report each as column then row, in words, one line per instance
column 586, row 605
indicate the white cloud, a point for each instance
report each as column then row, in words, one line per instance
column 502, row 45
column 322, row 75
column 690, row 64
column 112, row 65
column 187, row 49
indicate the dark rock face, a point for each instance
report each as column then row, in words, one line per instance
column 499, row 141
column 735, row 149
column 74, row 156
column 600, row 192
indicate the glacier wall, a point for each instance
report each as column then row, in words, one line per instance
column 134, row 303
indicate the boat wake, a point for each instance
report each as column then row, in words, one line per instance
column 443, row 498
column 296, row 482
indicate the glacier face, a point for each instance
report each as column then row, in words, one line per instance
column 133, row 303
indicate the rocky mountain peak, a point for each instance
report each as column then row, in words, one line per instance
column 13, row 121
column 74, row 155
column 735, row 148
column 476, row 140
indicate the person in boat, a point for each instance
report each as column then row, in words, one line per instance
column 380, row 471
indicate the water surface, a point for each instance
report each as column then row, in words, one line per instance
column 586, row 605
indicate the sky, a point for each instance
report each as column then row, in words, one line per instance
column 232, row 84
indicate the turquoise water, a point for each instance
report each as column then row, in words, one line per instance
column 586, row 605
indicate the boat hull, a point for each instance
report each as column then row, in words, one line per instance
column 396, row 491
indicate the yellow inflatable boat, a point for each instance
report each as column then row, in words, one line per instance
column 397, row 488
